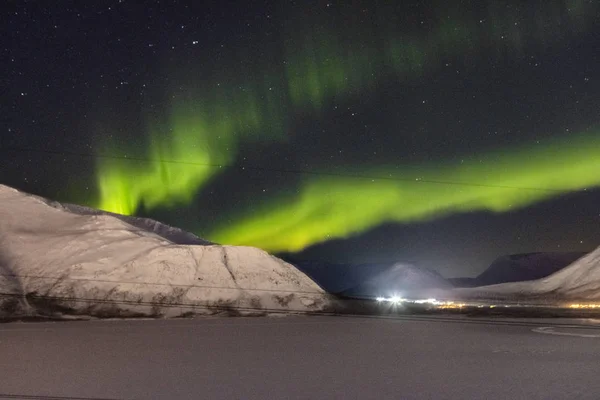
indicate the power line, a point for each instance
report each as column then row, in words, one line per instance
column 159, row 304
column 277, row 170
column 165, row 302
column 41, row 397
column 63, row 278
column 347, row 307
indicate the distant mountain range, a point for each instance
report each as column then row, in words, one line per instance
column 520, row 267
column 578, row 282
column 372, row 280
column 388, row 279
column 68, row 259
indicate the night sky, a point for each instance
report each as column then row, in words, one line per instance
column 442, row 133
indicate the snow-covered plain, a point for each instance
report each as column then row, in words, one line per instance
column 60, row 258
column 579, row 281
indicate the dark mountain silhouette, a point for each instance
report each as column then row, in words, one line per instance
column 520, row 267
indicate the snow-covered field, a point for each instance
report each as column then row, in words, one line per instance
column 68, row 259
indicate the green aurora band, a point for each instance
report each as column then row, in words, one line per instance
column 196, row 147
column 126, row 184
column 326, row 62
column 329, row 207
column 178, row 163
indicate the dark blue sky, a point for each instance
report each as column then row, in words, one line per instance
column 100, row 78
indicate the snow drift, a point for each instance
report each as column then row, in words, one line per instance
column 75, row 260
column 579, row 281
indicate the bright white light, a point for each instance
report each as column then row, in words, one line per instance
column 430, row 301
column 380, row 299
column 396, row 299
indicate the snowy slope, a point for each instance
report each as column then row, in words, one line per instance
column 173, row 234
column 579, row 281
column 126, row 266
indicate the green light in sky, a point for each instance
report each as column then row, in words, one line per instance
column 127, row 184
column 325, row 64
column 183, row 156
column 336, row 207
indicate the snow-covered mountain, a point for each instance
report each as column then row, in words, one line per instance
column 399, row 279
column 520, row 267
column 73, row 259
column 579, row 281
column 373, row 280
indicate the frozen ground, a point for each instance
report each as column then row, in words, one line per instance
column 301, row 358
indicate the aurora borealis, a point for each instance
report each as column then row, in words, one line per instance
column 353, row 205
column 288, row 125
